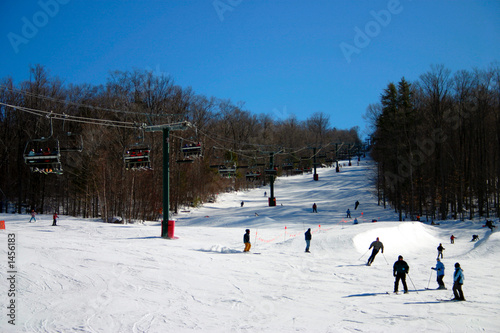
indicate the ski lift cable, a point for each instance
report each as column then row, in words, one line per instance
column 216, row 138
column 66, row 102
column 86, row 120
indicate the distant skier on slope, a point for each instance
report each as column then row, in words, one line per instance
column 54, row 222
column 377, row 246
column 348, row 213
column 308, row 239
column 490, row 225
column 356, row 205
column 399, row 270
column 452, row 239
column 33, row 216
column 246, row 240
column 458, row 281
column 440, row 273
column 440, row 249
column 315, row 208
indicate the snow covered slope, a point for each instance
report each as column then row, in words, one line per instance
column 89, row 276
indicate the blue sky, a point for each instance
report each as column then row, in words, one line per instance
column 280, row 57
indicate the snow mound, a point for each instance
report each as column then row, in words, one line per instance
column 220, row 249
column 486, row 246
column 400, row 238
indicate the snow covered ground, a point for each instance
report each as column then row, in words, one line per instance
column 89, row 276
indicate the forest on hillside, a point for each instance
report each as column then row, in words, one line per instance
column 436, row 142
column 88, row 150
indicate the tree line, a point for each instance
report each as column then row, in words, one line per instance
column 95, row 183
column 436, row 142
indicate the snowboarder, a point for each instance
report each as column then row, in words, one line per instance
column 55, row 218
column 315, row 208
column 399, row 270
column 458, row 281
column 308, row 239
column 356, row 205
column 440, row 273
column 452, row 239
column 440, row 249
column 377, row 246
column 33, row 214
column 246, row 240
column 474, row 238
column 348, row 213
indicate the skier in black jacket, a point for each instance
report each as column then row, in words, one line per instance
column 400, row 269
column 440, row 249
column 377, row 246
column 246, row 240
column 308, row 239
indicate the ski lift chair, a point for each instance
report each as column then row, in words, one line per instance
column 71, row 142
column 273, row 171
column 43, row 156
column 227, row 171
column 137, row 157
column 191, row 150
column 252, row 175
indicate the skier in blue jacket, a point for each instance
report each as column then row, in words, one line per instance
column 458, row 281
column 440, row 273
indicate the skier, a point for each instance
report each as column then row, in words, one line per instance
column 377, row 246
column 474, row 238
column 246, row 240
column 452, row 239
column 355, row 220
column 242, row 203
column 33, row 214
column 490, row 225
column 440, row 273
column 308, row 239
column 315, row 208
column 458, row 281
column 348, row 213
column 55, row 218
column 356, row 205
column 440, row 249
column 399, row 270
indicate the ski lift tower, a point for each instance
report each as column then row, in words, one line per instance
column 272, row 172
column 165, row 223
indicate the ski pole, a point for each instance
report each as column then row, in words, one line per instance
column 429, row 280
column 412, row 283
column 385, row 258
column 364, row 254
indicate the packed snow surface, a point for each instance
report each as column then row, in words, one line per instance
column 90, row 276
